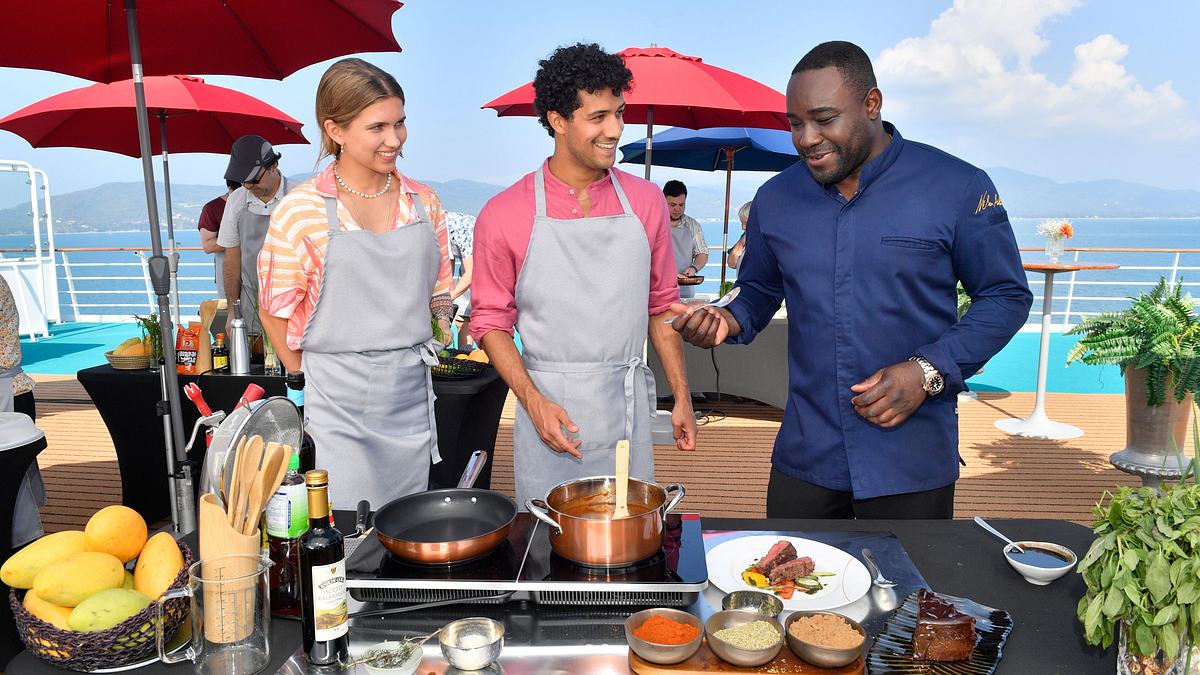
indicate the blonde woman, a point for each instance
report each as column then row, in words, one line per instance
column 737, row 252
column 354, row 265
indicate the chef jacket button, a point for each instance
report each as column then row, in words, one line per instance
column 574, row 211
column 571, row 191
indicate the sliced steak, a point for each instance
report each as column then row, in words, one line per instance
column 800, row 567
column 781, row 552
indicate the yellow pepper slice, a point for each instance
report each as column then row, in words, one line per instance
column 753, row 578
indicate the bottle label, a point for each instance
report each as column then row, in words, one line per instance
column 296, row 396
column 330, row 609
column 287, row 512
column 220, row 361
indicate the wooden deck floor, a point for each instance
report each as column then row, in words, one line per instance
column 1005, row 476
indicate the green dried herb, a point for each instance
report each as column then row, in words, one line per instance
column 386, row 657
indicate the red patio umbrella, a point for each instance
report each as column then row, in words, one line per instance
column 258, row 38
column 681, row 91
column 203, row 118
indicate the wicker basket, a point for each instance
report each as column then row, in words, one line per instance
column 126, row 643
column 130, row 362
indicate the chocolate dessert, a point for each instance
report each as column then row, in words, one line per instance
column 792, row 569
column 782, row 551
column 942, row 632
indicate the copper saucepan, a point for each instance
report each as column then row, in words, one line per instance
column 582, row 529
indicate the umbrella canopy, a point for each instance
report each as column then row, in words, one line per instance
column 201, row 117
column 714, row 149
column 705, row 149
column 256, row 38
column 679, row 90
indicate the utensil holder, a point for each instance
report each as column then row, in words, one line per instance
column 231, row 617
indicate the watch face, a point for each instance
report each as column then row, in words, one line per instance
column 936, row 384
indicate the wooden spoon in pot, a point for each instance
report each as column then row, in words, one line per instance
column 621, row 510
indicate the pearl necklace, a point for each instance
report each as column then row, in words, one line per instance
column 387, row 184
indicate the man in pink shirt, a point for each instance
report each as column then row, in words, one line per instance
column 577, row 257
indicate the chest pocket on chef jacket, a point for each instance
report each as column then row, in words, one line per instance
column 396, row 398
column 908, row 255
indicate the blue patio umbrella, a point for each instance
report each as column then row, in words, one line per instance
column 715, row 149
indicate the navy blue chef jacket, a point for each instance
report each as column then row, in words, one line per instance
column 870, row 282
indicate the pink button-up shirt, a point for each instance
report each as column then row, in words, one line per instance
column 505, row 225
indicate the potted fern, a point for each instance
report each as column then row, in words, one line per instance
column 1156, row 343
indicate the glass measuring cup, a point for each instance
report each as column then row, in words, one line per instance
column 230, row 615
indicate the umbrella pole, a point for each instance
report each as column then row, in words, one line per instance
column 179, row 477
column 174, row 257
column 725, row 230
column 649, row 138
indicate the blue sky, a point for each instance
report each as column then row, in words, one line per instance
column 1066, row 89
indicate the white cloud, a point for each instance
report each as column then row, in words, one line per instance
column 977, row 60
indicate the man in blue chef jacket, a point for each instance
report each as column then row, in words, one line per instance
column 866, row 240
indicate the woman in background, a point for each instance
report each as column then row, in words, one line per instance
column 354, row 266
column 737, row 252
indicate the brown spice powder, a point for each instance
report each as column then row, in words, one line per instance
column 826, row 630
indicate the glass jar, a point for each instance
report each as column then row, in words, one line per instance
column 1054, row 248
column 1130, row 662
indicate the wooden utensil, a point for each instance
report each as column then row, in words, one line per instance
column 208, row 311
column 266, row 481
column 621, row 510
column 248, row 466
column 233, row 493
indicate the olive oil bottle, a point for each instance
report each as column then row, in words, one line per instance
column 323, row 579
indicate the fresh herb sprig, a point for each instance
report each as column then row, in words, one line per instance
column 386, row 657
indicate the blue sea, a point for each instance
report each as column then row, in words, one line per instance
column 126, row 290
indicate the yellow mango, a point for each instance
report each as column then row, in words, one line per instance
column 55, row 615
column 128, row 583
column 67, row 582
column 117, row 530
column 106, row 609
column 158, row 565
column 124, row 348
column 479, row 356
column 20, row 570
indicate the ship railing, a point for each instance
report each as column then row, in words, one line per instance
column 113, row 284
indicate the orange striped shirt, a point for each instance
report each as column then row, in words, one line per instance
column 292, row 260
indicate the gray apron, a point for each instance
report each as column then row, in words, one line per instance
column 581, row 300
column 366, row 355
column 681, row 239
column 27, row 521
column 252, row 232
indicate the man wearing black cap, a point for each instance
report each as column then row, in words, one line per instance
column 255, row 165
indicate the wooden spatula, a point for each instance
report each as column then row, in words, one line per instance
column 266, row 481
column 622, row 508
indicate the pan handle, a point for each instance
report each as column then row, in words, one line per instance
column 672, row 487
column 473, row 469
column 540, row 510
column 360, row 517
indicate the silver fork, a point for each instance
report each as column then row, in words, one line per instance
column 872, row 566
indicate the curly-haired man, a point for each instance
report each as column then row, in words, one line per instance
column 577, row 256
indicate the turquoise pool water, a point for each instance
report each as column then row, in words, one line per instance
column 75, row 346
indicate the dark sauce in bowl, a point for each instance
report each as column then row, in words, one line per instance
column 1040, row 557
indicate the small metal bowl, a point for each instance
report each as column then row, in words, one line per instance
column 473, row 643
column 732, row 618
column 663, row 654
column 766, row 604
column 821, row 656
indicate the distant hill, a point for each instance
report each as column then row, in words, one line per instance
column 122, row 206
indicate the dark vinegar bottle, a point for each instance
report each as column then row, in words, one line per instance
column 323, row 579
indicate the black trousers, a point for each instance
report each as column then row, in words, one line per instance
column 25, row 404
column 789, row 497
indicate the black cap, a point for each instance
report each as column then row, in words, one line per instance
column 250, row 154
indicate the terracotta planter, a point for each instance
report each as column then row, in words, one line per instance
column 1149, row 449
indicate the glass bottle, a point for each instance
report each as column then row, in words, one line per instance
column 323, row 579
column 287, row 521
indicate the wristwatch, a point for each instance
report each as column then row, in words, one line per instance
column 934, row 382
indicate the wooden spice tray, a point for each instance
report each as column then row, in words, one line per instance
column 704, row 661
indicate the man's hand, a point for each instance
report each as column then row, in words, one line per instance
column 704, row 327
column 683, row 422
column 891, row 395
column 549, row 418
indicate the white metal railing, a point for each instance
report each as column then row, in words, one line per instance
column 113, row 284
column 1074, row 298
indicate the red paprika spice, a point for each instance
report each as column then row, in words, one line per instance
column 663, row 631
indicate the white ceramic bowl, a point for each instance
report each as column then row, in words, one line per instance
column 1041, row 575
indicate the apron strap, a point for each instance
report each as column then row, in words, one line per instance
column 419, row 206
column 620, row 193
column 331, row 216
column 539, row 193
column 632, row 368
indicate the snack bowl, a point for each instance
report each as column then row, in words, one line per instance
column 1041, row 574
column 766, row 604
column 732, row 618
column 663, row 654
column 820, row 655
column 407, row 668
column 473, row 643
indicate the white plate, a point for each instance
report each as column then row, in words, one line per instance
column 851, row 581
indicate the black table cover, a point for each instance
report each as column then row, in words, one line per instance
column 467, row 412
column 954, row 556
